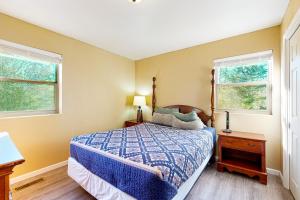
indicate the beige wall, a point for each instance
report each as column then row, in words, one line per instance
column 183, row 77
column 96, row 85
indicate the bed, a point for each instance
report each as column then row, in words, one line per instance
column 148, row 161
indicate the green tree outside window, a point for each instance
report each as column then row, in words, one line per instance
column 27, row 85
column 243, row 87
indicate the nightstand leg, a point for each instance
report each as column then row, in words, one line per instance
column 220, row 168
column 263, row 179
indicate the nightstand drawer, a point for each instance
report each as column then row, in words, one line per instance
column 240, row 144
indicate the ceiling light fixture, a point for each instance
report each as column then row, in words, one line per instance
column 134, row 1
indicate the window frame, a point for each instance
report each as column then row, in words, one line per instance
column 268, row 82
column 57, row 85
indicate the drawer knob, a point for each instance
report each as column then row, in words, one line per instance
column 251, row 145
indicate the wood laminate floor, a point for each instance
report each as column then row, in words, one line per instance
column 211, row 185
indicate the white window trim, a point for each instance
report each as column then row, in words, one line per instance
column 11, row 48
column 248, row 59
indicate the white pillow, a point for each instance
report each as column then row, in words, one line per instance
column 193, row 125
column 164, row 119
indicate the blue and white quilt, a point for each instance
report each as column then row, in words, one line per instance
column 147, row 161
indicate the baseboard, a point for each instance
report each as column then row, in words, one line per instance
column 37, row 172
column 273, row 172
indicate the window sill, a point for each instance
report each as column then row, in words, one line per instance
column 17, row 115
column 241, row 112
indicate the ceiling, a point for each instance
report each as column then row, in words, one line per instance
column 150, row 27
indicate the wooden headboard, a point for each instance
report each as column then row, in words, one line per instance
column 186, row 109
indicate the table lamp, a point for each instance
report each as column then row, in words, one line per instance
column 9, row 158
column 139, row 101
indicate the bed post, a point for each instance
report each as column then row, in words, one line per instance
column 212, row 117
column 153, row 94
column 212, row 99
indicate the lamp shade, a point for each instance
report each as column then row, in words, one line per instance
column 139, row 101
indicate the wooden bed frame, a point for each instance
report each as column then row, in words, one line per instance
column 186, row 109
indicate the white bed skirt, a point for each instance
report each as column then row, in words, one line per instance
column 103, row 190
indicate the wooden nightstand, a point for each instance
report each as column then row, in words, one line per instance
column 132, row 123
column 244, row 153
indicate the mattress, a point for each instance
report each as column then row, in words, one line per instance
column 147, row 161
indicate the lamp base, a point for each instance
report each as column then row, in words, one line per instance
column 139, row 116
column 227, row 131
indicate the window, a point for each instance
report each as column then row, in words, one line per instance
column 243, row 83
column 29, row 80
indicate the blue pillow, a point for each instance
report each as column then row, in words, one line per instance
column 166, row 110
column 189, row 117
